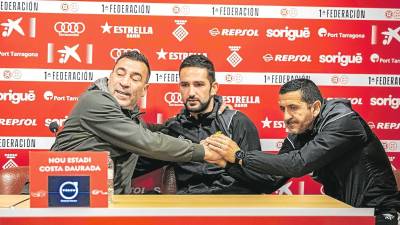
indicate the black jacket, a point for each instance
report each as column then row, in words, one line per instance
column 196, row 177
column 205, row 178
column 343, row 154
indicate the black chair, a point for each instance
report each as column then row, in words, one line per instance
column 397, row 176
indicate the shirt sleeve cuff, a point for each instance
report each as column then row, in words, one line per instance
column 198, row 153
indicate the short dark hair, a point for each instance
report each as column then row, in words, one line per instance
column 136, row 56
column 199, row 61
column 309, row 90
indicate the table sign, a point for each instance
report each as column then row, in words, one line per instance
column 68, row 179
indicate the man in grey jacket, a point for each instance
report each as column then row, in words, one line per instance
column 106, row 118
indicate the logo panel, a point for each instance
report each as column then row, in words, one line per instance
column 69, row 53
column 69, row 191
column 173, row 99
column 13, row 27
column 180, row 33
column 69, row 29
column 234, row 58
column 289, row 34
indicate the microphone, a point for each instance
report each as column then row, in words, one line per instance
column 53, row 127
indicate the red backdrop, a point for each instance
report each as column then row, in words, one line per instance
column 51, row 50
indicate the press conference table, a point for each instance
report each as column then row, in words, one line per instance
column 192, row 209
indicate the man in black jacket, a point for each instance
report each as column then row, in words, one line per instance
column 331, row 140
column 198, row 120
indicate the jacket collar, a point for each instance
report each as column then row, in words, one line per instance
column 326, row 108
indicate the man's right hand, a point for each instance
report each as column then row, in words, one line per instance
column 210, row 155
column 223, row 145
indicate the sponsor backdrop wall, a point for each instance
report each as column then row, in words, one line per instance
column 50, row 51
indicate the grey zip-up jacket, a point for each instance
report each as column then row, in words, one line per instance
column 98, row 123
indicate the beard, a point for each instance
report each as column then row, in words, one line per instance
column 198, row 109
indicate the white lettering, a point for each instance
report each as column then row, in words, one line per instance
column 59, row 121
column 343, row 60
column 394, row 103
column 79, row 160
column 239, row 32
column 50, row 169
column 18, row 122
column 57, row 160
column 291, row 35
column 16, row 98
column 388, row 126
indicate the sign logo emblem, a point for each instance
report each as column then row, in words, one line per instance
column 69, row 190
column 234, row 58
column 69, row 52
column 115, row 53
column 173, row 98
column 69, row 29
column 390, row 34
column 180, row 32
column 14, row 25
column 10, row 163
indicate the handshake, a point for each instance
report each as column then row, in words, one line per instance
column 219, row 149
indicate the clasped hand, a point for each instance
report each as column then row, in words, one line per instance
column 222, row 149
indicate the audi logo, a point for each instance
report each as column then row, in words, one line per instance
column 173, row 98
column 69, row 28
column 115, row 53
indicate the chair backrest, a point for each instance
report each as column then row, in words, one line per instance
column 13, row 180
column 397, row 176
column 168, row 180
column 159, row 181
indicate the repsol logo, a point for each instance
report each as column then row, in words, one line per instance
column 287, row 58
column 353, row 101
column 388, row 126
column 18, row 122
column 384, row 126
column 234, row 32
